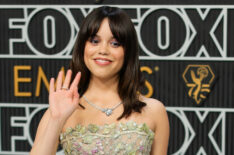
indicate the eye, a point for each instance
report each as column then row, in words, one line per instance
column 94, row 40
column 115, row 43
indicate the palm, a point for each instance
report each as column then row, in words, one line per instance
column 63, row 102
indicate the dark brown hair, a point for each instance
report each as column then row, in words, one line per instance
column 130, row 79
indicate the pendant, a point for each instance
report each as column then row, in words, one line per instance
column 108, row 112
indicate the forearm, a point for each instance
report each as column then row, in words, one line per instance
column 63, row 102
column 47, row 143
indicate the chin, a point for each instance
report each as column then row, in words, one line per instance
column 104, row 75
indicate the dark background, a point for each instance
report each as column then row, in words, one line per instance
column 167, row 82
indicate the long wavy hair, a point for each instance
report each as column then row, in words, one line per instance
column 130, row 79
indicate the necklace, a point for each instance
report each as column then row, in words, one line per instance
column 107, row 111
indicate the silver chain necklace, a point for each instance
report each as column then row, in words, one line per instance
column 107, row 111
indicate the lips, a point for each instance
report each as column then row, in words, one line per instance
column 102, row 61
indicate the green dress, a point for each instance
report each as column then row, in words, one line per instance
column 110, row 139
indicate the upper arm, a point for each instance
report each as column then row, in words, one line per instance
column 42, row 128
column 161, row 138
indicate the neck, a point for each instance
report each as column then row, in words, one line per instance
column 103, row 88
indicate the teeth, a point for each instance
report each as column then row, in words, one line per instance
column 101, row 60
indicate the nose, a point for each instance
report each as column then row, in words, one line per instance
column 103, row 50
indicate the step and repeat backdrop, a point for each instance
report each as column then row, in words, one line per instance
column 187, row 58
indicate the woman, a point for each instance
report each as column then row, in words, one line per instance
column 98, row 108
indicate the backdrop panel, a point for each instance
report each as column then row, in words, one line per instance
column 186, row 56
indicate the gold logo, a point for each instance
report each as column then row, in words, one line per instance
column 198, row 79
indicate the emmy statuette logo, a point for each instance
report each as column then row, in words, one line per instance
column 198, row 79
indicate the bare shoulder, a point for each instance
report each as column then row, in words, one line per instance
column 155, row 112
column 153, row 105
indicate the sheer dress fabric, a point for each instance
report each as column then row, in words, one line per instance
column 127, row 138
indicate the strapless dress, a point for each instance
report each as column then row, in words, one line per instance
column 127, row 138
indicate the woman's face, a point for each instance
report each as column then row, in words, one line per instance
column 103, row 54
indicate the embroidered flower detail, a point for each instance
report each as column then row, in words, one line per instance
column 93, row 128
column 82, row 130
column 85, row 153
column 116, row 135
column 131, row 125
column 144, row 128
column 108, row 128
column 99, row 142
column 61, row 136
column 151, row 135
column 128, row 148
column 123, row 126
column 106, row 131
column 119, row 147
column 87, row 139
column 69, row 130
column 127, row 138
column 94, row 151
column 132, row 153
column 78, row 148
column 78, row 127
column 141, row 148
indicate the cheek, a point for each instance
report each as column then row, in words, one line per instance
column 86, row 57
column 120, row 55
column 87, row 52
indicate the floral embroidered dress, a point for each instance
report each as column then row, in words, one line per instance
column 110, row 139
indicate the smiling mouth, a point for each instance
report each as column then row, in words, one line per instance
column 101, row 61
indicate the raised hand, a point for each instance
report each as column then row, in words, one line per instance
column 64, row 100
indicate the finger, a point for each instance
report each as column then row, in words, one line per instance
column 51, row 85
column 67, row 80
column 59, row 81
column 75, row 96
column 76, row 81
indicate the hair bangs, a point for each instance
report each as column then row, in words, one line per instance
column 118, row 30
column 93, row 28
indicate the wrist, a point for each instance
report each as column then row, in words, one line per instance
column 58, row 118
column 56, row 122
